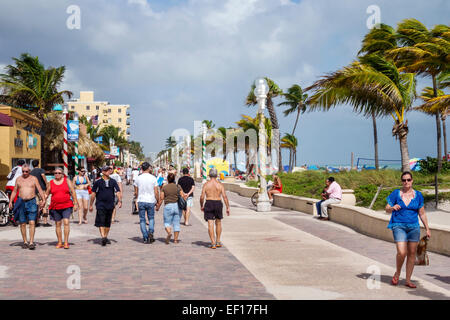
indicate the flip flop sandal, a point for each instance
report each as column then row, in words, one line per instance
column 66, row 246
column 219, row 244
column 212, row 246
column 394, row 280
column 411, row 285
column 59, row 246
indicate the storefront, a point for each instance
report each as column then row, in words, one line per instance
column 20, row 139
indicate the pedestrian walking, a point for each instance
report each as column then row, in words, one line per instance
column 188, row 185
column 146, row 192
column 334, row 194
column 115, row 175
column 15, row 173
column 406, row 206
column 61, row 205
column 82, row 185
column 104, row 191
column 25, row 208
column 214, row 192
column 39, row 173
column 169, row 194
column 135, row 174
column 128, row 173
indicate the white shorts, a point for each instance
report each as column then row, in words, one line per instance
column 189, row 202
column 82, row 194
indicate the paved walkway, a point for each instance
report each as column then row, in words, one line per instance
column 298, row 257
column 126, row 269
column 278, row 255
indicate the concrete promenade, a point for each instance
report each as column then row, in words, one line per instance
column 278, row 255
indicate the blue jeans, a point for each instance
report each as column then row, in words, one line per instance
column 172, row 215
column 150, row 209
column 319, row 211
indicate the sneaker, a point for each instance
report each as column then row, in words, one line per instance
column 103, row 242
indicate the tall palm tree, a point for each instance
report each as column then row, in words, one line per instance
column 29, row 85
column 378, row 41
column 295, row 100
column 247, row 123
column 425, row 52
column 433, row 105
column 209, row 124
column 289, row 141
column 274, row 91
column 371, row 85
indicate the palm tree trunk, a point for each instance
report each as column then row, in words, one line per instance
column 402, row 137
column 290, row 160
column 438, row 131
column 296, row 121
column 375, row 141
column 274, row 120
column 444, row 133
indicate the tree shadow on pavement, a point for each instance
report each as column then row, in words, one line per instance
column 419, row 291
column 201, row 243
column 440, row 278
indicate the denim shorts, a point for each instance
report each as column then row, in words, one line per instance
column 29, row 212
column 406, row 234
column 190, row 202
column 60, row 214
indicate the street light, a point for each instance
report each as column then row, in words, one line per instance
column 261, row 90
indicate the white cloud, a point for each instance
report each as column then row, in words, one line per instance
column 144, row 8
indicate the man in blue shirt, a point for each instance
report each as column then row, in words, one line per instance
column 104, row 190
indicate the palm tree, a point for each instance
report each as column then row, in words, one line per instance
column 372, row 85
column 378, row 41
column 425, row 52
column 247, row 123
column 274, row 91
column 433, row 105
column 209, row 124
column 295, row 99
column 289, row 141
column 29, row 85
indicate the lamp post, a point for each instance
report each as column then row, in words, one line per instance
column 65, row 155
column 261, row 90
column 204, row 153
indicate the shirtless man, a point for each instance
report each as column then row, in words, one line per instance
column 212, row 208
column 26, row 204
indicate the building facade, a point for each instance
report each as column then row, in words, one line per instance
column 107, row 114
column 20, row 139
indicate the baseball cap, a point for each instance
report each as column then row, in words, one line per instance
column 105, row 168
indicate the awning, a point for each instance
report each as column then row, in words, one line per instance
column 5, row 120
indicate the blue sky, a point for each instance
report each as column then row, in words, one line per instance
column 178, row 61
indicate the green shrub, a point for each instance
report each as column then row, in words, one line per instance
column 429, row 166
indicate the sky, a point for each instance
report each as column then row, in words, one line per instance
column 178, row 61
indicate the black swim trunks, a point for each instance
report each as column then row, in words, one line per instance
column 213, row 210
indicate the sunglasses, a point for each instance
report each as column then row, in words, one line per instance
column 26, row 171
column 404, row 180
column 58, row 173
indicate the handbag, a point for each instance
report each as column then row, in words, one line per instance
column 182, row 205
column 89, row 189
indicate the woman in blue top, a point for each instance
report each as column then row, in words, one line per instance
column 406, row 206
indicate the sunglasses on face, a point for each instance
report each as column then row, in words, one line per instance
column 26, row 171
column 404, row 180
column 58, row 173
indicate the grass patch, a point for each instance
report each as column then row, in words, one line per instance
column 365, row 183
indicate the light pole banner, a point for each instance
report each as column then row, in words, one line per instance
column 73, row 130
column 114, row 150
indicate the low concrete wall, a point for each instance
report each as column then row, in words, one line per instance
column 362, row 220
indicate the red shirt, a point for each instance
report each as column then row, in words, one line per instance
column 60, row 196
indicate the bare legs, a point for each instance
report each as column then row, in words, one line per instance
column 186, row 214
column 218, row 232
column 104, row 232
column 406, row 250
column 84, row 205
column 271, row 193
column 66, row 230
